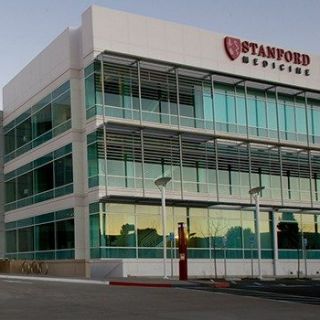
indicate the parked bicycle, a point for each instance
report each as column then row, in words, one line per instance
column 34, row 266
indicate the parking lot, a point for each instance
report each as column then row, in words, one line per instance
column 290, row 290
column 31, row 299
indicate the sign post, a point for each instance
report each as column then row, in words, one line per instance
column 183, row 262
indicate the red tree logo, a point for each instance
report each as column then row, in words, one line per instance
column 233, row 47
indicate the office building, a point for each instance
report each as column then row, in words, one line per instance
column 110, row 106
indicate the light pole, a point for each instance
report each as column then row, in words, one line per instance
column 304, row 246
column 161, row 183
column 251, row 253
column 255, row 192
column 224, row 239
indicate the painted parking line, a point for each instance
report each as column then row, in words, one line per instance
column 272, row 296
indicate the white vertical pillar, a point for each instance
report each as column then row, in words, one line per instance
column 164, row 238
column 80, row 174
column 2, row 222
column 275, row 243
column 256, row 196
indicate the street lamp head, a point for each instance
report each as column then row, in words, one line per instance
column 162, row 181
column 256, row 190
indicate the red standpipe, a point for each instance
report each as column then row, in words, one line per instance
column 183, row 259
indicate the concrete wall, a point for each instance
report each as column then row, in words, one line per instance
column 61, row 56
column 105, row 29
column 111, row 268
column 61, row 268
column 59, row 62
column 106, row 269
column 2, row 230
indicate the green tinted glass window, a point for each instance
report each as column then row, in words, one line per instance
column 92, row 160
column 42, row 121
column 9, row 141
column 46, row 119
column 10, row 190
column 11, row 241
column 24, row 132
column 25, row 185
column 61, row 109
column 220, row 108
column 43, row 178
column 44, row 235
column 301, row 120
column 63, row 170
column 65, row 234
column 90, row 91
column 25, row 237
column 94, row 230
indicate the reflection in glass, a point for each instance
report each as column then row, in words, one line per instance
column 11, row 241
column 43, row 178
column 24, row 132
column 61, row 109
column 65, row 234
column 42, row 121
column 44, row 235
column 25, row 237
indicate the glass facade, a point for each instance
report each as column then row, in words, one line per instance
column 296, row 231
column 48, row 236
column 135, row 231
column 48, row 177
column 45, row 120
column 187, row 99
column 200, row 165
column 216, row 137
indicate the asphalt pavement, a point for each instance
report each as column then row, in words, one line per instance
column 34, row 299
column 290, row 290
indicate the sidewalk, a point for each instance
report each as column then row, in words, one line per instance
column 159, row 282
column 155, row 282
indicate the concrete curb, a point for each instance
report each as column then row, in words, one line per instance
column 124, row 283
column 220, row 284
column 140, row 284
column 65, row 280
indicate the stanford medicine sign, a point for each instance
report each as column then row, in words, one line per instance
column 267, row 57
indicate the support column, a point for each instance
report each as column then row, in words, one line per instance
column 275, row 243
column 104, row 127
column 178, row 98
column 258, row 236
column 142, row 163
column 246, row 106
column 217, row 167
column 279, row 148
column 213, row 105
column 2, row 223
column 309, row 152
column 181, row 164
column 139, row 91
column 80, row 173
